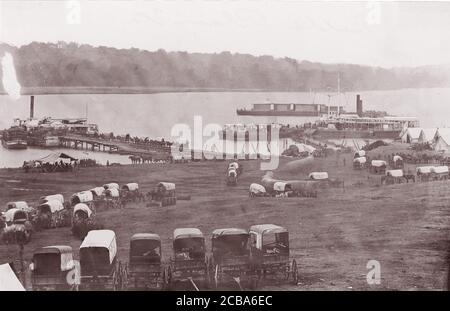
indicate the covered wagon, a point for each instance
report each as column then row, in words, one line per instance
column 378, row 166
column 318, row 176
column 189, row 257
column 393, row 177
column 164, row 193
column 236, row 166
column 424, row 173
column 52, row 214
column 51, row 268
column 232, row 176
column 97, row 192
column 53, row 197
column 112, row 193
column 112, row 185
column 130, row 192
column 112, row 197
column 100, row 269
column 230, row 256
column 22, row 205
column 257, row 190
column 131, row 187
column 269, row 253
column 145, row 270
column 359, row 154
column 83, row 221
column 397, row 162
column 81, row 197
column 233, row 165
column 18, row 228
column 359, row 163
column 439, row 172
column 282, row 188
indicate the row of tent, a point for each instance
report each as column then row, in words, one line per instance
column 439, row 138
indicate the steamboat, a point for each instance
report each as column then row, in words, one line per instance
column 15, row 138
column 325, row 121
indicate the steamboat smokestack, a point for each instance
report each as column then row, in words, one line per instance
column 32, row 107
column 359, row 106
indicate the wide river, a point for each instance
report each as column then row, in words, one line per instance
column 154, row 115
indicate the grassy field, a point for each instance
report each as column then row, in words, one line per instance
column 405, row 227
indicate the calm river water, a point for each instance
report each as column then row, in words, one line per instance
column 154, row 115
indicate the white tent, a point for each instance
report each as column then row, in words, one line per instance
column 410, row 135
column 9, row 280
column 442, row 140
column 427, row 135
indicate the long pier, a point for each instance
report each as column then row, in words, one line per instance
column 87, row 144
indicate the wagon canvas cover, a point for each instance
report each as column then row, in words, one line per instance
column 279, row 186
column 439, row 169
column 101, row 238
column 85, row 196
column 397, row 158
column 58, row 197
column 113, row 192
column 82, row 207
column 54, row 205
column 257, row 188
column 131, row 186
column 378, row 163
column 10, row 214
column 111, row 186
column 395, row 173
column 318, row 175
column 360, row 160
column 98, row 191
column 167, row 185
column 22, row 205
column 424, row 169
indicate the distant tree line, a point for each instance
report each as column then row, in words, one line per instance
column 80, row 65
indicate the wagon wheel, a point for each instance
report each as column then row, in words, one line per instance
column 115, row 279
column 294, row 272
column 164, row 279
column 216, row 276
column 124, row 277
column 117, row 282
column 208, row 272
column 169, row 276
column 254, row 282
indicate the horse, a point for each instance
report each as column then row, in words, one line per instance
column 146, row 159
column 135, row 159
column 409, row 177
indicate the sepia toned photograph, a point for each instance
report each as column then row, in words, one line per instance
column 211, row 146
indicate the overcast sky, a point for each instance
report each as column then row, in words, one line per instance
column 380, row 34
